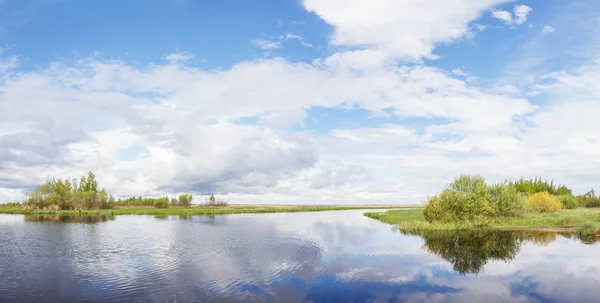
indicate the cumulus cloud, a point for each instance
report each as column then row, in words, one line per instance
column 503, row 16
column 167, row 109
column 407, row 29
column 520, row 15
column 174, row 127
column 521, row 12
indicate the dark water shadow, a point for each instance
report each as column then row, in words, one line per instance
column 85, row 219
column 470, row 251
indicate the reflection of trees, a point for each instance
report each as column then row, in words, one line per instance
column 587, row 239
column 469, row 251
column 69, row 218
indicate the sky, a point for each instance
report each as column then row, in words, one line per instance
column 298, row 101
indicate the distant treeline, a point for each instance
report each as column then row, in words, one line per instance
column 69, row 194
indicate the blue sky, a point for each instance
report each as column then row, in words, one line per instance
column 297, row 100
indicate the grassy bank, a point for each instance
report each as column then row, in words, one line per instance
column 563, row 220
column 231, row 209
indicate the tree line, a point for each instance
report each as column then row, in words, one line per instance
column 85, row 194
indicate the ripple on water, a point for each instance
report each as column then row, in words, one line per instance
column 261, row 258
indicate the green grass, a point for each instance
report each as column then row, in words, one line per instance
column 238, row 209
column 587, row 228
column 413, row 220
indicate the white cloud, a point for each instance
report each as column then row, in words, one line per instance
column 480, row 27
column 521, row 12
column 269, row 44
column 503, row 16
column 376, row 24
column 180, row 130
column 290, row 36
column 459, row 72
column 520, row 15
column 179, row 57
column 548, row 29
column 165, row 108
column 266, row 44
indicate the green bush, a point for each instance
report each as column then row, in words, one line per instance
column 537, row 185
column 161, row 203
column 591, row 202
column 569, row 202
column 469, row 198
column 433, row 209
column 185, row 200
column 543, row 202
column 506, row 201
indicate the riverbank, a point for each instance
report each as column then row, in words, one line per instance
column 567, row 220
column 202, row 210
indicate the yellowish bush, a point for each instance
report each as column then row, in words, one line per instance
column 543, row 202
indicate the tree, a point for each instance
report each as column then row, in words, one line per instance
column 185, row 200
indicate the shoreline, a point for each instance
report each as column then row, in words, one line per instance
column 204, row 210
column 561, row 221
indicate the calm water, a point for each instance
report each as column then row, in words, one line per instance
column 297, row 257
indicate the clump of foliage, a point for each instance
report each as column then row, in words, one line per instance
column 589, row 199
column 506, row 201
column 543, row 202
column 469, row 198
column 569, row 202
column 185, row 200
column 11, row 205
column 212, row 201
column 161, row 202
column 537, row 185
column 587, row 228
column 68, row 194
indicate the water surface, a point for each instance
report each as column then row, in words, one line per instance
column 336, row 256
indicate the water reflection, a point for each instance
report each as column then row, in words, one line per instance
column 294, row 257
column 88, row 219
column 470, row 251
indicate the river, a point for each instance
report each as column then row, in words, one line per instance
column 333, row 256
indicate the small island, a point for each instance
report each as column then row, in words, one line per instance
column 469, row 203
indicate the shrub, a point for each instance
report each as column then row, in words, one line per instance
column 569, row 202
column 591, row 202
column 433, row 209
column 185, row 200
column 212, row 201
column 587, row 228
column 543, row 202
column 11, row 205
column 506, row 201
column 580, row 200
column 161, row 203
column 466, row 198
column 537, row 185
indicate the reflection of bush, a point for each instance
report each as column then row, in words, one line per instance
column 585, row 239
column 469, row 251
column 542, row 238
column 68, row 218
